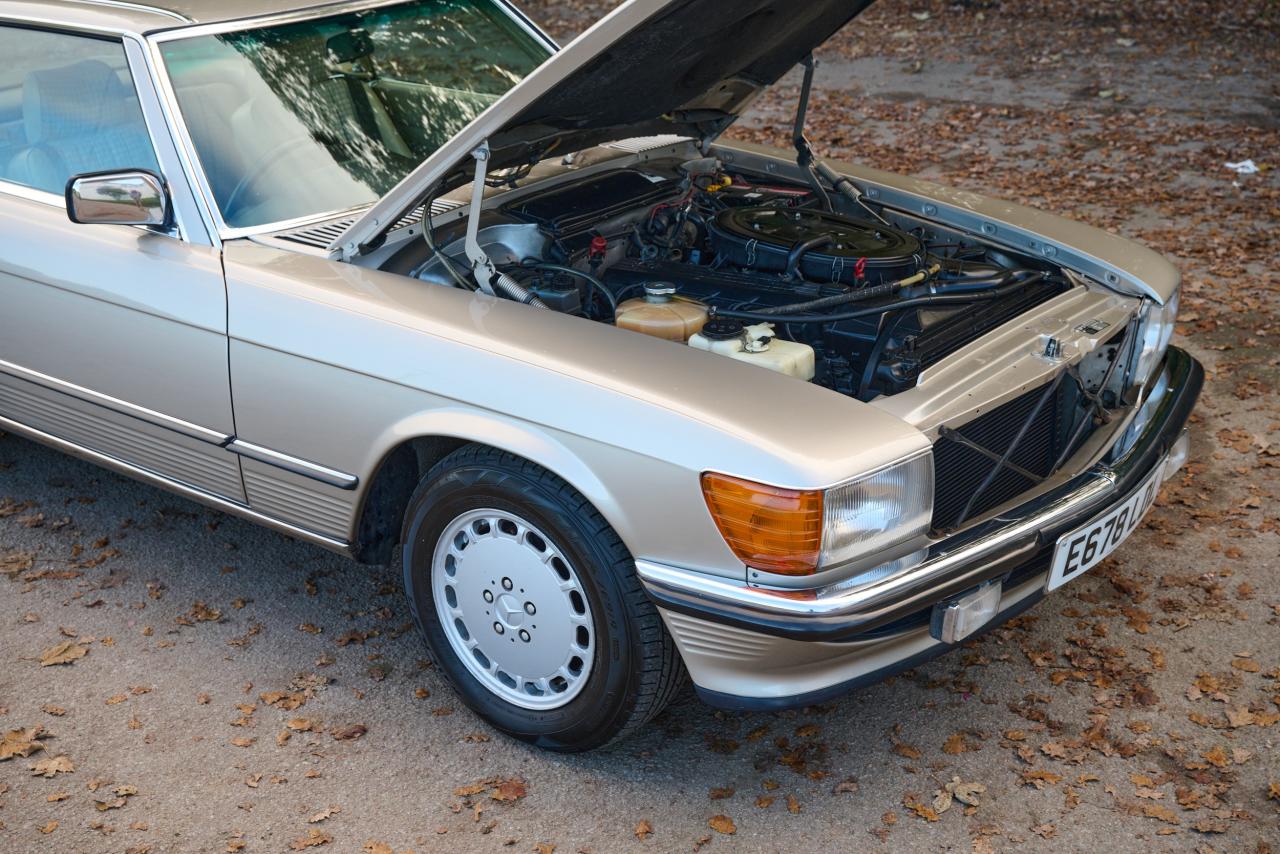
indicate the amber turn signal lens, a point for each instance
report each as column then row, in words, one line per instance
column 767, row 527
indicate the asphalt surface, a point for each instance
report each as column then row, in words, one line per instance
column 241, row 691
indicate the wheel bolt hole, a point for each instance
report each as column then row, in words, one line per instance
column 524, row 636
column 530, row 609
column 488, row 596
column 497, row 627
column 506, row 584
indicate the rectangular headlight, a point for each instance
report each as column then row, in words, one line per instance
column 1155, row 329
column 800, row 531
column 877, row 511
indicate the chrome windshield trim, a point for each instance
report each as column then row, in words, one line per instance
column 315, row 471
column 303, row 13
column 162, row 145
column 159, row 419
column 186, row 146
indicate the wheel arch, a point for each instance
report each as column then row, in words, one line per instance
column 407, row 451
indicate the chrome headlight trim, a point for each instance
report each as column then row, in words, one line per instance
column 878, row 510
column 1155, row 330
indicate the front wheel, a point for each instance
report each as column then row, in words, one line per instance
column 530, row 603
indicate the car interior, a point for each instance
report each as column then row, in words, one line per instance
column 58, row 120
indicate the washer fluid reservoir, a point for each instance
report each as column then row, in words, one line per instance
column 661, row 313
column 757, row 345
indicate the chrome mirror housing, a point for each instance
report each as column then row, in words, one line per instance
column 126, row 197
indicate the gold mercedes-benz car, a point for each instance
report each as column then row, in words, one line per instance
column 624, row 399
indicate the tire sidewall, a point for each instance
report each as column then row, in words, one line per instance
column 602, row 706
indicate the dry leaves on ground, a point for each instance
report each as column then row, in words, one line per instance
column 311, row 840
column 722, row 824
column 502, row 789
column 21, row 742
column 51, row 766
column 64, row 653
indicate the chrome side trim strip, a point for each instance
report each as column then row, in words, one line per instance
column 332, row 477
column 183, row 489
column 159, row 419
column 31, row 194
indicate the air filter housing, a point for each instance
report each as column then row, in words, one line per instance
column 763, row 238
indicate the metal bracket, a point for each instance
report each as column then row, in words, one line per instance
column 482, row 266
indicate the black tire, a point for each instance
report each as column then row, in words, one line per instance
column 636, row 669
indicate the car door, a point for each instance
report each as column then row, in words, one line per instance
column 112, row 338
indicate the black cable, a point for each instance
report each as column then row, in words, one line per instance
column 888, row 324
column 427, row 230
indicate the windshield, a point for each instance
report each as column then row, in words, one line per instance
column 330, row 113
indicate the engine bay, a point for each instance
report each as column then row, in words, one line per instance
column 856, row 299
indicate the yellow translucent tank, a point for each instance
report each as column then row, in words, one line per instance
column 660, row 314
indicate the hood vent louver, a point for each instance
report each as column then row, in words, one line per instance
column 640, row 144
column 321, row 235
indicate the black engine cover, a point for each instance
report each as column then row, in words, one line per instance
column 762, row 238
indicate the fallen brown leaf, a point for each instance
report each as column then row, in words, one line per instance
column 64, row 653
column 1039, row 778
column 311, row 840
column 347, row 733
column 904, row 749
column 643, row 829
column 51, row 766
column 21, row 742
column 911, row 802
column 509, row 790
column 722, row 824
column 849, row 785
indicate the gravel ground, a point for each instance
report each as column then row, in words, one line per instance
column 235, row 690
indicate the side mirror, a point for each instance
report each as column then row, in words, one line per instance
column 126, row 197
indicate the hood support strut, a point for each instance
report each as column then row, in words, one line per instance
column 814, row 167
column 487, row 275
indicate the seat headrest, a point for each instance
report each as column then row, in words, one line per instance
column 70, row 101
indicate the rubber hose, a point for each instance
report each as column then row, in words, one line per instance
column 801, row 249
column 945, row 299
column 838, row 299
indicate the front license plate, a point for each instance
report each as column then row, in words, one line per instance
column 1084, row 548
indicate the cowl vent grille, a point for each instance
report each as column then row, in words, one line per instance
column 320, row 236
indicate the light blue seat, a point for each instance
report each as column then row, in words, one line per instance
column 78, row 118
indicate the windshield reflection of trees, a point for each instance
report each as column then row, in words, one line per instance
column 426, row 75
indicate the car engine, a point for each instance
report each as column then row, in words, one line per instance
column 854, row 299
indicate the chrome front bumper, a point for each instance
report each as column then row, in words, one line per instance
column 992, row 549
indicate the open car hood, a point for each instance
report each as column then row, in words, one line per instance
column 684, row 67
